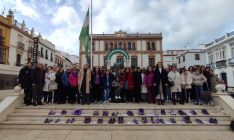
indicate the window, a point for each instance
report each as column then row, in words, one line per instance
column 93, row 46
column 120, row 45
column 183, row 58
column 106, row 46
column 232, row 51
column 51, row 56
column 129, row 46
column 42, row 52
column 172, row 58
column 148, row 46
column 153, row 46
column 20, row 38
column 197, row 56
column 134, row 61
column 104, row 60
column 133, row 46
column 223, row 54
column 211, row 59
column 111, row 46
column 2, row 55
column 46, row 54
column 151, row 61
column 179, row 60
column 18, row 60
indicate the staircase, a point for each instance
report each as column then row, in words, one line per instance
column 30, row 117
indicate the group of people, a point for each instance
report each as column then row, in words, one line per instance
column 101, row 85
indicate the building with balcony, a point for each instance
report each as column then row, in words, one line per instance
column 169, row 57
column 220, row 57
column 191, row 57
column 16, row 42
column 125, row 49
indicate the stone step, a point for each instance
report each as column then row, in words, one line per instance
column 126, row 118
column 79, row 125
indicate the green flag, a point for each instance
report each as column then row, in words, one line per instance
column 84, row 34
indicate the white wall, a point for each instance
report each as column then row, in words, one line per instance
column 143, row 45
column 145, row 60
column 138, row 45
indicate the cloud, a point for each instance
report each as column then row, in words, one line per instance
column 67, row 26
column 26, row 9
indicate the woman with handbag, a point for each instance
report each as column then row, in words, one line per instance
column 174, row 82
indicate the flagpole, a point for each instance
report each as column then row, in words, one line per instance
column 91, row 47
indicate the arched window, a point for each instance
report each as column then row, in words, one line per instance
column 124, row 46
column 111, row 46
column 148, row 46
column 106, row 46
column 129, row 46
column 120, row 45
column 153, row 46
column 133, row 46
column 115, row 45
column 93, row 46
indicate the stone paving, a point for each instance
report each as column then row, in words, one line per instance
column 114, row 135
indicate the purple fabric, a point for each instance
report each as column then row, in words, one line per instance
column 149, row 79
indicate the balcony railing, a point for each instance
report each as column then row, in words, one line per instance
column 20, row 45
column 211, row 65
column 221, row 64
column 231, row 61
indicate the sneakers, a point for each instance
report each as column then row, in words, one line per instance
column 68, row 121
column 205, row 112
column 111, row 121
column 56, row 121
column 199, row 121
column 63, row 112
column 77, row 112
column 48, row 120
column 141, row 111
column 95, row 113
column 51, row 112
column 181, row 112
column 186, row 119
column 213, row 120
column 172, row 120
column 135, row 121
column 172, row 112
column 193, row 112
column 72, row 120
column 100, row 121
column 144, row 120
column 120, row 120
column 130, row 113
column 161, row 121
column 105, row 113
column 152, row 120
column 163, row 112
column 87, row 120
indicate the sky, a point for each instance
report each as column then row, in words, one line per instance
column 182, row 22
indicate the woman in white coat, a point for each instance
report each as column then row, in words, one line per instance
column 186, row 82
column 49, row 77
column 175, row 80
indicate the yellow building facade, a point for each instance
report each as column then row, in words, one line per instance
column 5, row 31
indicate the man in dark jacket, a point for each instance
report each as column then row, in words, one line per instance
column 38, row 80
column 137, row 84
column 25, row 82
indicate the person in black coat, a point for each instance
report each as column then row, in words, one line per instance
column 38, row 80
column 24, row 79
column 160, row 79
column 59, row 95
column 137, row 84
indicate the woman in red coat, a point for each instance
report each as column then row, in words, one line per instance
column 128, row 84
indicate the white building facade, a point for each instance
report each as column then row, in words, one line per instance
column 129, row 50
column 191, row 57
column 169, row 57
column 220, row 57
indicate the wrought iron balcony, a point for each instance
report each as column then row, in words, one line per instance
column 231, row 61
column 20, row 45
column 211, row 65
column 221, row 63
